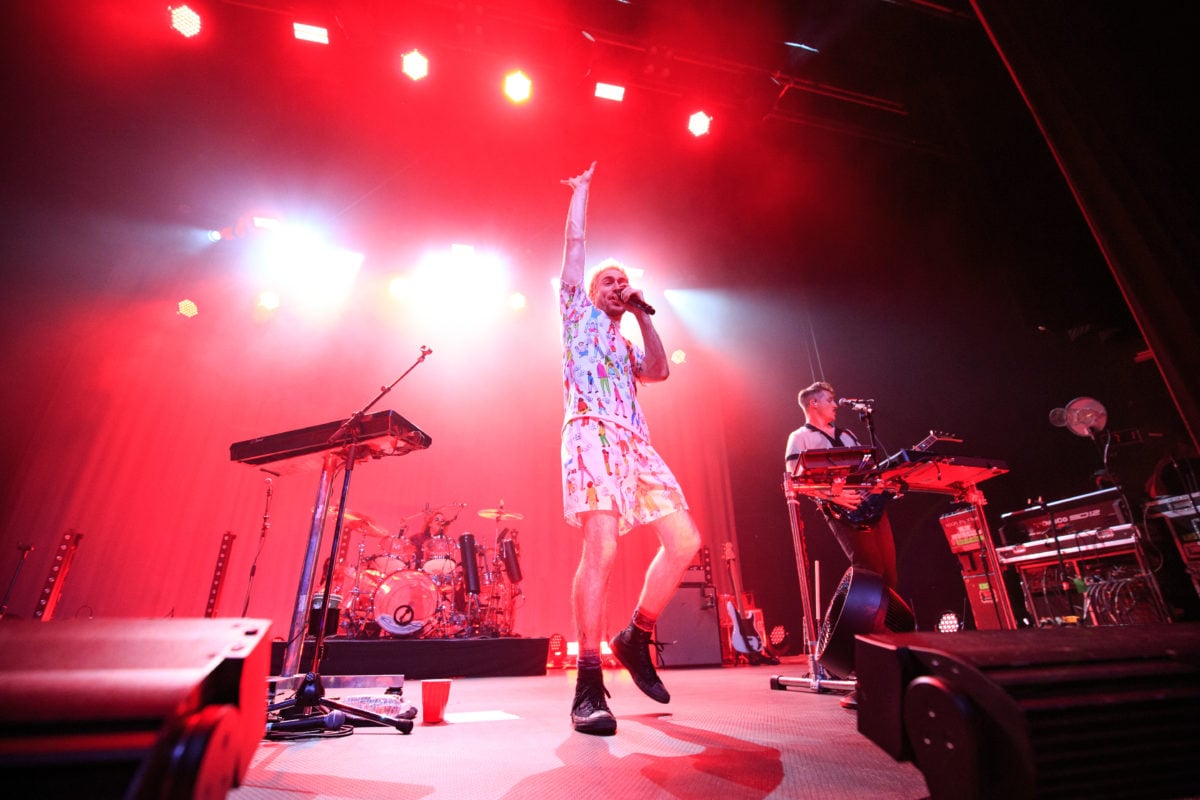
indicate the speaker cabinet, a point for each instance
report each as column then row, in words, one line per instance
column 689, row 629
column 130, row 708
column 1103, row 712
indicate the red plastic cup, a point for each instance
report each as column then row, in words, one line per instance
column 435, row 693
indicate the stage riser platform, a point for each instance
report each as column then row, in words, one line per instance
column 416, row 659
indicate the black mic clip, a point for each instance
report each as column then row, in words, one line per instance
column 857, row 404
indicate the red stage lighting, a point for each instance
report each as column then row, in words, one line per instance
column 414, row 65
column 310, row 33
column 185, row 20
column 610, row 91
column 699, row 123
column 517, row 86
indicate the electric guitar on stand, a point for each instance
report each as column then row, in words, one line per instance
column 746, row 634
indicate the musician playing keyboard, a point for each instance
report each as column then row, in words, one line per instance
column 859, row 523
column 864, row 534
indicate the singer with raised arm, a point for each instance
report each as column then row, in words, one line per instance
column 613, row 479
column 861, row 526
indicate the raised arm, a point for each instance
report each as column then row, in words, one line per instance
column 574, row 250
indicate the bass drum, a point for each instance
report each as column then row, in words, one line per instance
column 405, row 602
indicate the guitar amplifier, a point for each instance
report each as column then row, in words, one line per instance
column 699, row 572
column 689, row 629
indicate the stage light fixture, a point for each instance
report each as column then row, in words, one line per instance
column 310, row 33
column 268, row 300
column 557, row 650
column 517, row 301
column 184, row 20
column 610, row 91
column 187, row 308
column 949, row 623
column 414, row 65
column 699, row 123
column 679, row 357
column 518, row 87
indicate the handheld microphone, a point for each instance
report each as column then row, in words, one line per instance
column 856, row 404
column 329, row 722
column 637, row 302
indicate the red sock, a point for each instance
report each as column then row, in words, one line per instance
column 643, row 620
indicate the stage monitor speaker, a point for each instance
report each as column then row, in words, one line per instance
column 131, row 708
column 1105, row 712
column 689, row 630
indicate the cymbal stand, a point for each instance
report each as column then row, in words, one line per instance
column 815, row 680
column 355, row 613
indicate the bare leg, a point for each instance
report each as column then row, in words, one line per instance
column 590, row 588
column 589, row 711
column 680, row 542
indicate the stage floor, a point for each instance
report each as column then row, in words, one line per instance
column 725, row 734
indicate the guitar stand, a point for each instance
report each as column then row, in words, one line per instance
column 815, row 680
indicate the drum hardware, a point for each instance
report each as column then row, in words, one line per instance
column 470, row 573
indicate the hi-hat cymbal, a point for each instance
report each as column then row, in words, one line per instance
column 499, row 513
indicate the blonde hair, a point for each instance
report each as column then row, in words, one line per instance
column 809, row 392
column 595, row 272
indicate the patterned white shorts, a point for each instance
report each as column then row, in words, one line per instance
column 607, row 467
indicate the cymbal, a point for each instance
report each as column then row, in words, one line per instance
column 499, row 513
column 355, row 521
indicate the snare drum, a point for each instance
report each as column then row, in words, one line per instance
column 439, row 555
column 405, row 602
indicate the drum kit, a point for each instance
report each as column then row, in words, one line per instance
column 426, row 585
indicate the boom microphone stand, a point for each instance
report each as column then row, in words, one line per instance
column 309, row 705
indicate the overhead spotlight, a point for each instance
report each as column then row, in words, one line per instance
column 268, row 300
column 610, row 91
column 699, row 123
column 518, row 87
column 184, row 20
column 414, row 65
column 310, row 33
column 187, row 308
column 679, row 357
column 517, row 301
